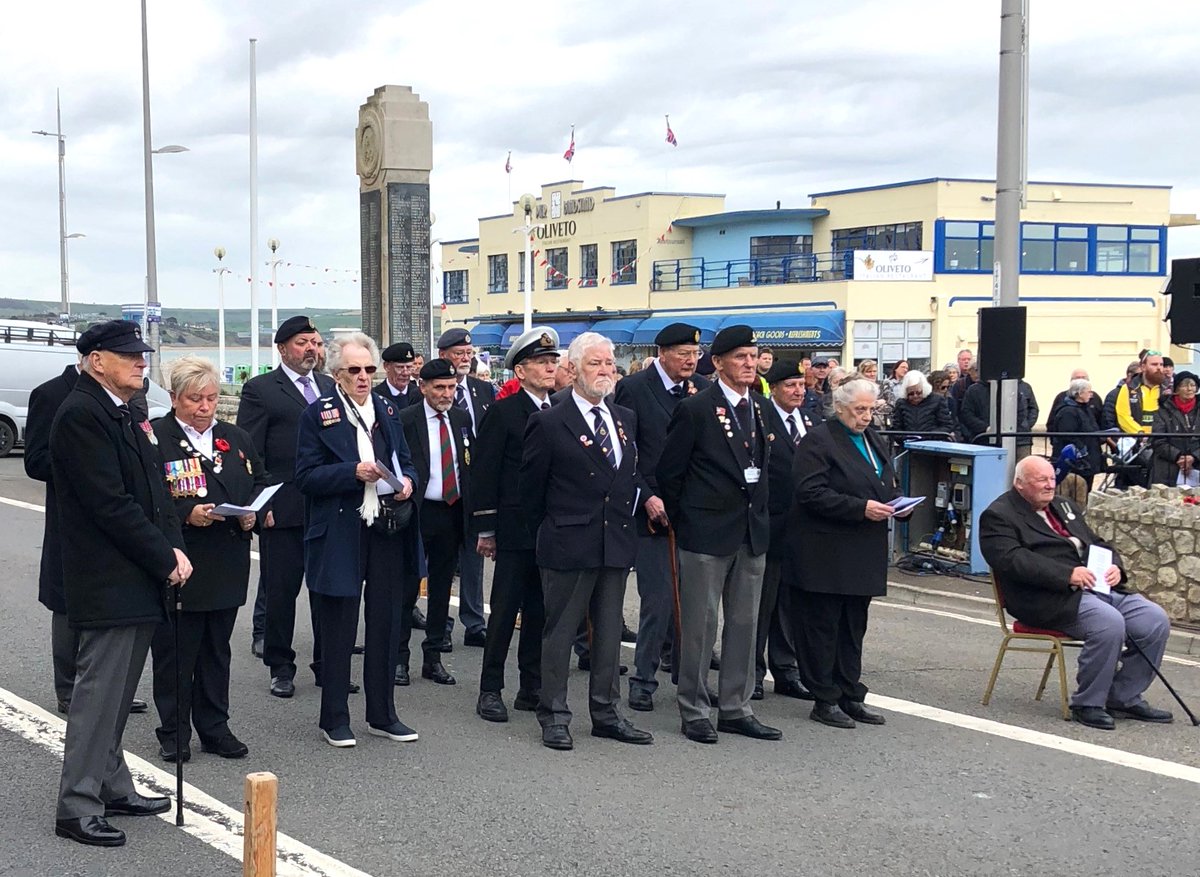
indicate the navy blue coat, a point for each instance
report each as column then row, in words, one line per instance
column 326, row 457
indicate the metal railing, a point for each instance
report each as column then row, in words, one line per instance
column 48, row 335
column 670, row 275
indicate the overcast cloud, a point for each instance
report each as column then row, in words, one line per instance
column 770, row 101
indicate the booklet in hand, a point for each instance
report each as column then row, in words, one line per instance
column 902, row 504
column 229, row 510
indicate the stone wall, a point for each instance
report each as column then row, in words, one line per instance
column 1157, row 535
column 227, row 407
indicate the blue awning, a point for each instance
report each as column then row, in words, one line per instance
column 488, row 334
column 814, row 329
column 618, row 331
column 567, row 331
column 649, row 328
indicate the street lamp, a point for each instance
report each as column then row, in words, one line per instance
column 62, row 202
column 220, row 271
column 527, row 202
column 273, row 245
column 168, row 150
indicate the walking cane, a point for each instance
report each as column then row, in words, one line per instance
column 1163, row 680
column 178, row 708
column 675, row 594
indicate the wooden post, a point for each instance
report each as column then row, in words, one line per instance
column 258, row 850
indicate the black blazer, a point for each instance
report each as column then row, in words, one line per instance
column 44, row 403
column 495, row 500
column 779, row 473
column 416, row 433
column 270, row 412
column 702, row 481
column 579, row 505
column 643, row 393
column 483, row 396
column 832, row 548
column 410, row 396
column 1032, row 564
column 220, row 553
column 112, row 500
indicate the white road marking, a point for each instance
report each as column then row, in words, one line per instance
column 16, row 503
column 205, row 818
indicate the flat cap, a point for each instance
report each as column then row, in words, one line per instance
column 453, row 338
column 731, row 338
column 537, row 341
column 293, row 326
column 401, row 351
column 118, row 336
column 437, row 368
column 677, row 333
column 782, row 369
column 820, row 361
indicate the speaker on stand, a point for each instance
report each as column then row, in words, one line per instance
column 1184, row 289
column 1001, row 343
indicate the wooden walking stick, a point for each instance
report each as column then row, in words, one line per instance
column 675, row 594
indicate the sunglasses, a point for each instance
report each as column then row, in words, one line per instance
column 355, row 369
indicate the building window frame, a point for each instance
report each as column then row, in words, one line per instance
column 781, row 258
column 1111, row 248
column 498, row 273
column 892, row 236
column 624, row 262
column 455, row 287
column 556, row 268
column 589, row 264
column 521, row 274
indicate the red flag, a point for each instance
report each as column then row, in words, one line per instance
column 569, row 155
column 671, row 134
column 508, row 163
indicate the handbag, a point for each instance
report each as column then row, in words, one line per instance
column 394, row 516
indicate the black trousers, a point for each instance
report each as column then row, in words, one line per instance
column 203, row 658
column 828, row 633
column 383, row 557
column 281, row 563
column 773, row 646
column 442, row 536
column 516, row 587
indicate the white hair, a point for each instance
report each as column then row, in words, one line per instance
column 584, row 342
column 333, row 358
column 915, row 379
column 1079, row 385
column 847, row 391
column 191, row 372
column 1024, row 465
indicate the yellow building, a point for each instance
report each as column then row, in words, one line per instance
column 888, row 272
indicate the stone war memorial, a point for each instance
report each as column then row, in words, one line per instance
column 394, row 145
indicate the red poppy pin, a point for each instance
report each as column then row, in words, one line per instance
column 221, row 445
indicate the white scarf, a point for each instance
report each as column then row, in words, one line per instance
column 369, row 510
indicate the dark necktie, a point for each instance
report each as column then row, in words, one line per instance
column 793, row 431
column 310, row 395
column 450, row 493
column 545, row 405
column 460, row 398
column 678, row 391
column 603, row 437
column 742, row 410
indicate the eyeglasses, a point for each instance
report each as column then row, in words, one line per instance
column 355, row 369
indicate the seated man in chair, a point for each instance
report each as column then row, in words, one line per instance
column 1037, row 546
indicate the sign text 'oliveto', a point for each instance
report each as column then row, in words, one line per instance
column 552, row 230
column 893, row 265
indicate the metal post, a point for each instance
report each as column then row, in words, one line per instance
column 528, row 270
column 221, row 271
column 62, row 207
column 254, row 327
column 151, row 253
column 1010, row 186
column 273, row 245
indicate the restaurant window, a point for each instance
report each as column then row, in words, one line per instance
column 454, row 287
column 498, row 273
column 624, row 262
column 899, row 236
column 781, row 258
column 588, row 265
column 556, row 268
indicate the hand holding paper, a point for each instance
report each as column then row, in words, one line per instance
column 229, row 510
column 1099, row 560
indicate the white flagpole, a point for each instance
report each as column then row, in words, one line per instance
column 254, row 328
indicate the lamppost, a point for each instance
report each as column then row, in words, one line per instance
column 62, row 202
column 527, row 202
column 273, row 245
column 220, row 271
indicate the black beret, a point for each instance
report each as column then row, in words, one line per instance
column 293, row 326
column 782, row 369
column 537, row 341
column 731, row 338
column 119, row 336
column 437, row 368
column 401, row 351
column 677, row 333
column 453, row 338
column 705, row 366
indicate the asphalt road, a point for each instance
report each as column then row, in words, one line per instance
column 471, row 798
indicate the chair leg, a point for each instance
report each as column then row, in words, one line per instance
column 1062, row 682
column 1046, row 675
column 987, row 695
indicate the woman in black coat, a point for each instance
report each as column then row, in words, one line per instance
column 205, row 463
column 920, row 411
column 837, row 559
column 1077, row 414
column 1177, row 413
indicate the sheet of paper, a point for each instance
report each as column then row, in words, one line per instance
column 229, row 510
column 904, row 503
column 390, row 477
column 1098, row 561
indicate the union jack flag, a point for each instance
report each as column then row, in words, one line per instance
column 569, row 155
column 671, row 134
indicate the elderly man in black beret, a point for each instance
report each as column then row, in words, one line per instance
column 124, row 548
column 269, row 412
column 400, row 370
column 714, row 487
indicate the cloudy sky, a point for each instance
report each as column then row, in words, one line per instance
column 770, row 101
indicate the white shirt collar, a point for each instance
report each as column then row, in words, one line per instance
column 116, row 400
column 783, row 415
column 295, row 376
column 585, row 407
column 536, row 401
column 730, row 395
column 667, row 382
column 431, row 413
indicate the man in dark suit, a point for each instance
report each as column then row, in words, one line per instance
column 125, row 547
column 270, row 412
column 1037, row 545
column 578, row 485
column 400, row 370
column 715, row 491
column 786, row 425
column 441, row 441
column 653, row 394
column 501, row 531
column 474, row 397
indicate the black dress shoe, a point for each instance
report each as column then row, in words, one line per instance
column 700, row 730
column 641, row 700
column 1143, row 712
column 1093, row 717
column 664, row 663
column 91, row 830
column 749, row 726
column 758, row 693
column 418, row 618
column 256, row 647
column 859, row 712
column 437, row 673
column 627, row 635
column 526, row 701
column 281, row 686
column 138, row 706
column 137, row 805
column 228, row 746
column 830, row 714
column 789, row 687
column 64, row 707
column 475, row 638
column 166, row 751
column 490, row 707
column 623, row 732
column 402, row 677
column 557, row 737
column 446, row 646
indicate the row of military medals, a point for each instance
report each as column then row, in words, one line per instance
column 186, row 477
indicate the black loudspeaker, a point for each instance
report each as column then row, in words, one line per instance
column 1001, row 344
column 1184, row 289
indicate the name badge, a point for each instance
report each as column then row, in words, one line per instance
column 752, row 474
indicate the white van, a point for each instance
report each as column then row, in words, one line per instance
column 31, row 354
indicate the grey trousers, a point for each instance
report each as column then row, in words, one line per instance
column 1104, row 623
column 571, row 596
column 735, row 583
column 656, row 614
column 108, row 666
column 773, row 646
column 64, row 643
column 470, row 590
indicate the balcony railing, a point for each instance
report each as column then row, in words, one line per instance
column 698, row 273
